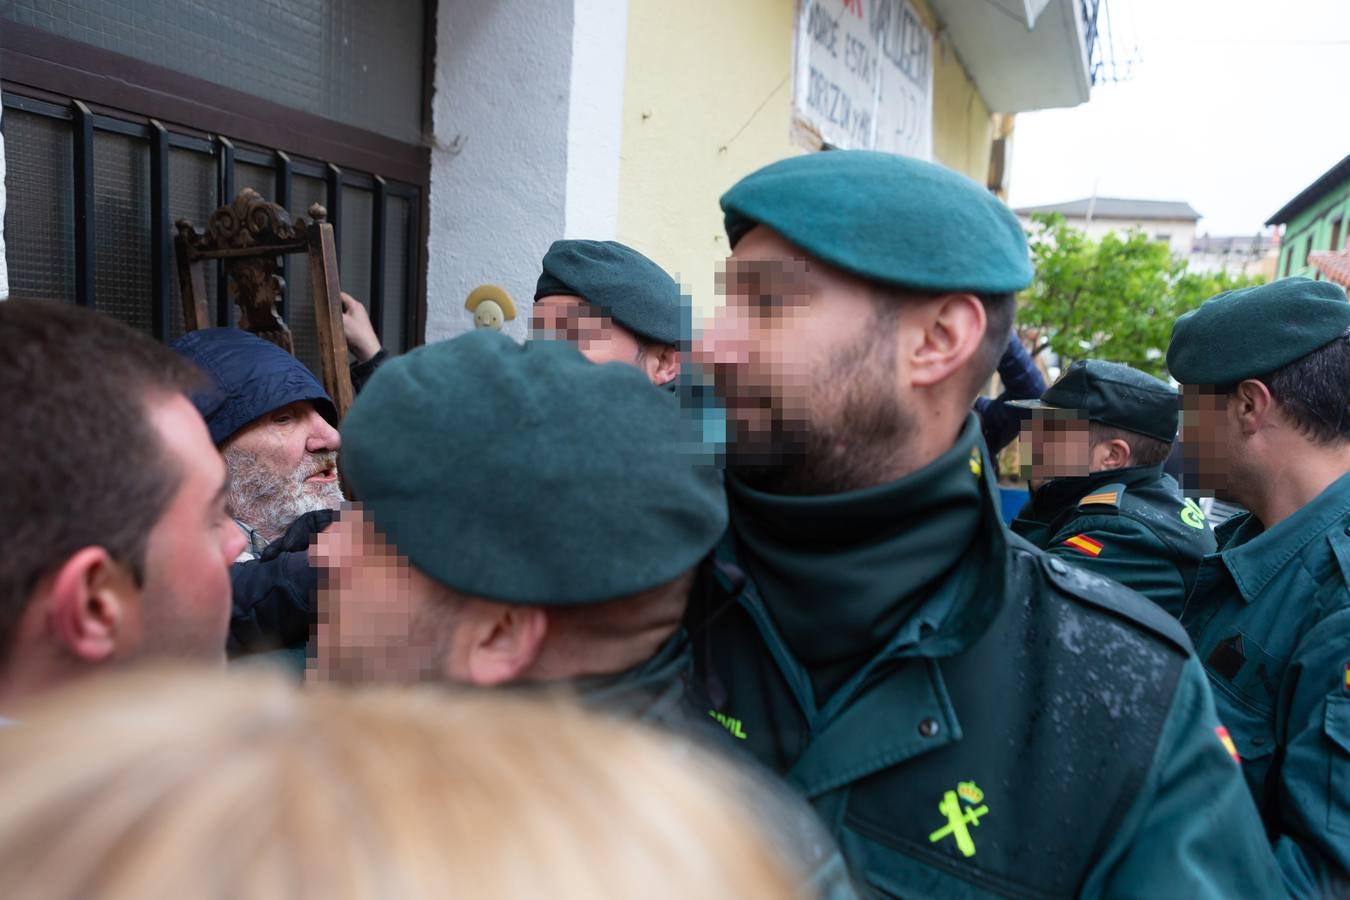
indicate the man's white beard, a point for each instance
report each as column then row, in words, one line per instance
column 268, row 502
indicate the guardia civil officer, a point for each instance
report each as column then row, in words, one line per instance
column 1098, row 439
column 607, row 299
column 614, row 304
column 1267, row 422
column 529, row 518
column 970, row 715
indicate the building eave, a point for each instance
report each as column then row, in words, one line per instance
column 1314, row 192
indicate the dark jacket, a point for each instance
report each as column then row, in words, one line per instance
column 1270, row 616
column 274, row 595
column 1000, row 422
column 274, row 602
column 1131, row 525
column 1019, row 728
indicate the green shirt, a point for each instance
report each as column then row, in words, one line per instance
column 1270, row 617
column 970, row 716
column 1130, row 525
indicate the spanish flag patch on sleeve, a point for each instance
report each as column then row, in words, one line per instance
column 1084, row 544
column 1227, row 740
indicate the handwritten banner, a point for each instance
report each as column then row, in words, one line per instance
column 864, row 75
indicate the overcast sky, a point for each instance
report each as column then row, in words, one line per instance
column 1231, row 105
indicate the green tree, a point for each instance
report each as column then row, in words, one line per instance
column 1113, row 299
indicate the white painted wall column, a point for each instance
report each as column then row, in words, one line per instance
column 527, row 124
column 595, row 119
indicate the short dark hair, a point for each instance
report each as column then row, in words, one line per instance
column 1314, row 392
column 1144, row 450
column 999, row 310
column 82, row 466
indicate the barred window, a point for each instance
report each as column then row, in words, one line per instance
column 99, row 168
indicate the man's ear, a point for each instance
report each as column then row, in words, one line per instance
column 1112, row 454
column 667, row 364
column 504, row 641
column 91, row 605
column 952, row 327
column 1251, row 406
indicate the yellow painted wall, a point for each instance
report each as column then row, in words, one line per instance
column 708, row 99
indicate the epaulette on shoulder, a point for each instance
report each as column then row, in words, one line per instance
column 1108, row 495
column 1116, row 600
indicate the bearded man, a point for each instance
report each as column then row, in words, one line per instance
column 274, row 424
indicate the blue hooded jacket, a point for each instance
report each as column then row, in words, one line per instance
column 250, row 377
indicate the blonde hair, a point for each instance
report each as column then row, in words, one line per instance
column 180, row 784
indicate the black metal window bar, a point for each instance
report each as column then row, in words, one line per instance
column 130, row 178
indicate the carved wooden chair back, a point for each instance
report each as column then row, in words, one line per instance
column 251, row 235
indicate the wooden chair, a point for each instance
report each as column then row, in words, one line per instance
column 251, row 235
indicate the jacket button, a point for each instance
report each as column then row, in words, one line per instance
column 928, row 727
column 1057, row 566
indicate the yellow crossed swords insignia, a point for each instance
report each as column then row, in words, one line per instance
column 961, row 818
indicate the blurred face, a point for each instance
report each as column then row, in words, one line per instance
column 380, row 620
column 283, row 465
column 1059, row 445
column 599, row 338
column 185, row 608
column 807, row 373
column 1207, row 439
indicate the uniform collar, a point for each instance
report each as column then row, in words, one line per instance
column 1255, row 555
column 643, row 690
column 843, row 575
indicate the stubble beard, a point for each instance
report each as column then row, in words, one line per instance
column 853, row 448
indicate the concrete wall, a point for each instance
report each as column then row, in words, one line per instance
column 526, row 117
column 499, row 160
column 4, row 273
column 619, row 119
column 708, row 99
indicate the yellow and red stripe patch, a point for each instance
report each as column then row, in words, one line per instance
column 1106, row 498
column 1226, row 739
column 1085, row 544
column 1347, row 676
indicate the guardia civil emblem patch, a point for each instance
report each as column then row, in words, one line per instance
column 963, row 808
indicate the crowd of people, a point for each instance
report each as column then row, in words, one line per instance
column 525, row 622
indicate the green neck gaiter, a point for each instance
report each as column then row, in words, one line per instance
column 842, row 574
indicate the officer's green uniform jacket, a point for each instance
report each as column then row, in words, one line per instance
column 662, row 693
column 1131, row 525
column 1270, row 617
column 970, row 716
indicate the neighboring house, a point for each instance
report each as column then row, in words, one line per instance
column 1315, row 221
column 453, row 140
column 1333, row 266
column 1167, row 221
column 1253, row 255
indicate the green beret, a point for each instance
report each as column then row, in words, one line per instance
column 886, row 218
column 630, row 288
column 526, row 474
column 1255, row 331
column 1113, row 394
